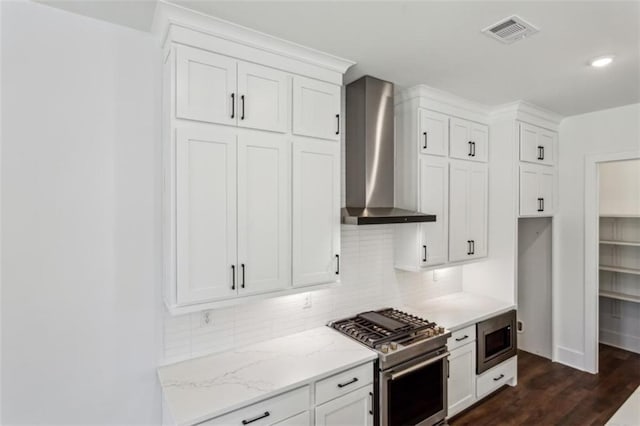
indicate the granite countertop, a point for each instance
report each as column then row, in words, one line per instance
column 459, row 310
column 203, row 388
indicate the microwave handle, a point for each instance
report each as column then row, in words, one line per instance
column 418, row 366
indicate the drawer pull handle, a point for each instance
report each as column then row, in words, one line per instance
column 371, row 396
column 495, row 379
column 460, row 339
column 255, row 419
column 341, row 385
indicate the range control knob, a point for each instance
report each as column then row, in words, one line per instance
column 430, row 332
column 393, row 346
column 384, row 349
column 440, row 330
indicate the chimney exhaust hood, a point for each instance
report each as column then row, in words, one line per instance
column 370, row 156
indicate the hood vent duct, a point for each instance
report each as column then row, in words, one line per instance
column 370, row 156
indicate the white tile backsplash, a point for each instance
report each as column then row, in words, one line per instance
column 369, row 281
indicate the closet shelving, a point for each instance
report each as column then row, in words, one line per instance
column 620, row 257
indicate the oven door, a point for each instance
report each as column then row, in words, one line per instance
column 496, row 340
column 415, row 392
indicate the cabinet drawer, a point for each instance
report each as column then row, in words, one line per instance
column 302, row 419
column 499, row 375
column 342, row 383
column 461, row 337
column 267, row 412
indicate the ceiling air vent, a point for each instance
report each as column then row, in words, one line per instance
column 510, row 29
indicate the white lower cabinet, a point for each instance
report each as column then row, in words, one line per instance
column 354, row 408
column 268, row 412
column 462, row 378
column 461, row 392
column 501, row 374
column 302, row 419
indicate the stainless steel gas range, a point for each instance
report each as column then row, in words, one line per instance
column 412, row 368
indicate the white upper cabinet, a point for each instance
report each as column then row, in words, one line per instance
column 468, row 140
column 218, row 89
column 205, row 86
column 206, row 214
column 468, row 208
column 316, row 212
column 537, row 145
column 263, row 97
column 264, row 257
column 434, row 182
column 537, row 197
column 433, row 132
column 316, row 109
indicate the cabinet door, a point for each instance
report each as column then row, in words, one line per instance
column 537, row 145
column 433, row 132
column 434, row 184
column 263, row 212
column 468, row 140
column 529, row 203
column 206, row 214
column 537, row 185
column 352, row 409
column 546, row 180
column 316, row 108
column 302, row 419
column 262, row 102
column 461, row 391
column 205, row 86
column 316, row 212
column 478, row 209
column 459, row 246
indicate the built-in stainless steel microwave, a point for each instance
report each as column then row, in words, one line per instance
column 496, row 340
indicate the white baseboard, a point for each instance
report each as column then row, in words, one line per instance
column 570, row 357
column 619, row 340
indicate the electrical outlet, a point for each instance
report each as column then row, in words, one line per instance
column 307, row 301
column 206, row 319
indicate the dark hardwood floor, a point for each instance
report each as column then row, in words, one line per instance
column 553, row 394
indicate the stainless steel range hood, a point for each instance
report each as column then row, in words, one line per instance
column 370, row 156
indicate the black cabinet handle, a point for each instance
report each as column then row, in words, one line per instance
column 426, row 138
column 540, row 152
column 255, row 419
column 242, row 100
column 233, row 277
column 460, row 339
column 337, row 124
column 468, row 247
column 540, row 208
column 341, row 385
column 337, row 264
column 242, row 266
column 495, row 379
column 371, row 396
column 473, row 145
column 424, row 253
column 473, row 246
column 448, row 369
column 542, row 199
column 233, row 105
column 470, row 149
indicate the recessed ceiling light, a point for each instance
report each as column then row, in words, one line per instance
column 601, row 61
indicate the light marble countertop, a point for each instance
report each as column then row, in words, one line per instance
column 459, row 310
column 203, row 388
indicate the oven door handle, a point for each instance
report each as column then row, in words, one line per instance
column 418, row 366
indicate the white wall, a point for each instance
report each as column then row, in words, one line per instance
column 620, row 188
column 608, row 131
column 80, row 219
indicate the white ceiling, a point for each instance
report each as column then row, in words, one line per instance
column 440, row 44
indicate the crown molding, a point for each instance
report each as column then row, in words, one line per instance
column 168, row 14
column 439, row 100
column 527, row 112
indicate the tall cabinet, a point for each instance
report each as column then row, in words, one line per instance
column 442, row 149
column 251, row 161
